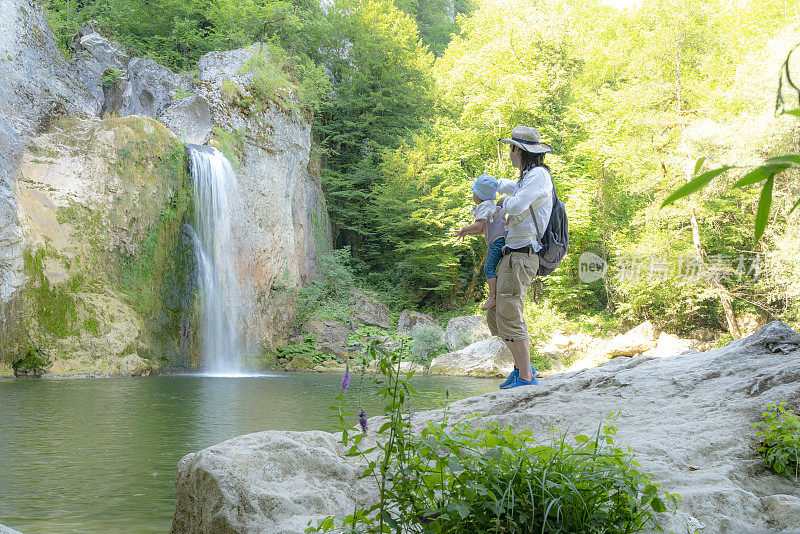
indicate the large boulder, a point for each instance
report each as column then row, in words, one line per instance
column 632, row 342
column 190, row 119
column 411, row 320
column 266, row 482
column 670, row 344
column 489, row 358
column 688, row 418
column 465, row 330
column 368, row 310
column 8, row 530
column 331, row 336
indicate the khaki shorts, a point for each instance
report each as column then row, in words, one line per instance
column 514, row 274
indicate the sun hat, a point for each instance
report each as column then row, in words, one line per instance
column 485, row 187
column 527, row 138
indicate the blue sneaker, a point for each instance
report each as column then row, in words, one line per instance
column 514, row 374
column 520, row 382
column 510, row 379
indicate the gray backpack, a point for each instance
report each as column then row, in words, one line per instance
column 555, row 239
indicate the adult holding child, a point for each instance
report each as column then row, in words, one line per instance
column 529, row 196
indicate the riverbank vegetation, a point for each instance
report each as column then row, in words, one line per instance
column 479, row 476
column 417, row 94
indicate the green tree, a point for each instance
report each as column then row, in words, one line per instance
column 382, row 92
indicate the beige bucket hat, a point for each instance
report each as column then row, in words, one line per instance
column 527, row 138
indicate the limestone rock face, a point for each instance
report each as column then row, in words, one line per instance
column 141, row 87
column 36, row 83
column 190, row 119
column 410, row 320
column 469, row 329
column 11, row 278
column 489, row 357
column 152, row 88
column 266, row 482
column 283, row 218
column 91, row 193
column 688, row 418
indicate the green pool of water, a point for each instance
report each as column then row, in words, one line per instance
column 99, row 455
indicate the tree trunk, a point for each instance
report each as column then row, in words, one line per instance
column 719, row 289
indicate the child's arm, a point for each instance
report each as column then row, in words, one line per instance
column 475, row 228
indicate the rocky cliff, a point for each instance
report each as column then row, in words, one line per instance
column 688, row 418
column 94, row 267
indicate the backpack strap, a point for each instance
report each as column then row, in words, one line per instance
column 536, row 224
column 518, row 219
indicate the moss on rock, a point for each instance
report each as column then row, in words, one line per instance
column 109, row 269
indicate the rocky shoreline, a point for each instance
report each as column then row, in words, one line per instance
column 483, row 357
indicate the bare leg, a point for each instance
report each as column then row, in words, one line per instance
column 490, row 303
column 521, row 351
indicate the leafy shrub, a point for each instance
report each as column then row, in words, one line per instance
column 282, row 78
column 110, row 77
column 779, row 430
column 33, row 363
column 307, row 348
column 462, row 477
column 427, row 342
column 328, row 297
column 463, row 339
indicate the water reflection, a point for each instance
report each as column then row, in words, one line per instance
column 99, row 455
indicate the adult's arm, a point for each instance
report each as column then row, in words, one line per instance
column 506, row 186
column 534, row 192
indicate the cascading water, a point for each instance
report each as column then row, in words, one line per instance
column 215, row 189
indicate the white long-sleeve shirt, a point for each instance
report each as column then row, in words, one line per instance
column 535, row 189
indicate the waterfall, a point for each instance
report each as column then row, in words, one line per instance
column 215, row 190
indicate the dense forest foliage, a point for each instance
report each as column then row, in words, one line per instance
column 415, row 94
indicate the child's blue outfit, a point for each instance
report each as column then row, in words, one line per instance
column 494, row 234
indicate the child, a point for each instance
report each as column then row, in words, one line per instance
column 489, row 221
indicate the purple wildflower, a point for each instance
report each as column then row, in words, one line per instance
column 345, row 382
column 362, row 420
column 410, row 413
column 427, row 519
